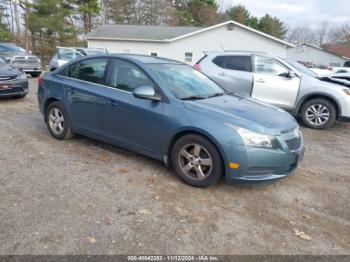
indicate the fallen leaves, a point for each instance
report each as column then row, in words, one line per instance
column 122, row 171
column 306, row 216
column 92, row 240
column 302, row 235
column 198, row 218
column 143, row 212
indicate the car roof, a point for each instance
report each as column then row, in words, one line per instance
column 145, row 59
column 237, row 52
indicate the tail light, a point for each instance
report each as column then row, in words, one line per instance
column 40, row 81
column 197, row 67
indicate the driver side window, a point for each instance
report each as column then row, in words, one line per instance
column 266, row 65
column 127, row 76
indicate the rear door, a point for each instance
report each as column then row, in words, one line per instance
column 273, row 83
column 234, row 73
column 85, row 94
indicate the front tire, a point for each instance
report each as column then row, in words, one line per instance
column 196, row 161
column 319, row 113
column 58, row 122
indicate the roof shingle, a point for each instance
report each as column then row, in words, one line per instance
column 137, row 32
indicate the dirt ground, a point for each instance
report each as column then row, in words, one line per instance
column 85, row 197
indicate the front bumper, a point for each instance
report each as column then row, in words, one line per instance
column 29, row 68
column 259, row 165
column 14, row 88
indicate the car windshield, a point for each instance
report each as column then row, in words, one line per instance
column 14, row 48
column 186, row 83
column 299, row 67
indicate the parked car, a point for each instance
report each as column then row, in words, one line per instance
column 307, row 71
column 278, row 81
column 343, row 73
column 65, row 54
column 166, row 110
column 322, row 71
column 20, row 58
column 13, row 82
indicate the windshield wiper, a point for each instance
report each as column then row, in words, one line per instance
column 216, row 94
column 193, row 98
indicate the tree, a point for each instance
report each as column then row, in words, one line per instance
column 196, row 12
column 272, row 26
column 86, row 10
column 239, row 14
column 5, row 33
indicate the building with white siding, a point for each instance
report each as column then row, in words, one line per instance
column 187, row 44
column 309, row 54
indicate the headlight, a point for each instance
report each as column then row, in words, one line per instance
column 347, row 91
column 22, row 76
column 251, row 138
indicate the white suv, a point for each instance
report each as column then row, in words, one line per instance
column 280, row 82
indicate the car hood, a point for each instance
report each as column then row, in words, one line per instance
column 8, row 70
column 330, row 79
column 246, row 113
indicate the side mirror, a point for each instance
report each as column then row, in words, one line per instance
column 146, row 92
column 291, row 74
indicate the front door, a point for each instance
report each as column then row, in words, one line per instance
column 130, row 120
column 273, row 83
column 85, row 94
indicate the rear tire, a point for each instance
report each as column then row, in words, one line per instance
column 196, row 161
column 319, row 113
column 58, row 122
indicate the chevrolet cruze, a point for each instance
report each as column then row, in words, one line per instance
column 166, row 110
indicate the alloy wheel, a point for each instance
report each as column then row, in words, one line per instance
column 56, row 121
column 195, row 161
column 317, row 114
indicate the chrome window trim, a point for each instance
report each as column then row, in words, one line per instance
column 83, row 81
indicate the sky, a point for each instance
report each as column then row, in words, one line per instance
column 297, row 12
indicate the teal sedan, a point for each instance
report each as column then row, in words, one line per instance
column 166, row 110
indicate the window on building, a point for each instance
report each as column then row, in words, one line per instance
column 154, row 54
column 188, row 57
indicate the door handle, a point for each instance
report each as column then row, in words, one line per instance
column 260, row 81
column 222, row 74
column 113, row 103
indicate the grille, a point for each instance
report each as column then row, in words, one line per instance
column 7, row 78
column 25, row 60
column 294, row 144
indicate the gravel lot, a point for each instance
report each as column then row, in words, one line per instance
column 85, row 197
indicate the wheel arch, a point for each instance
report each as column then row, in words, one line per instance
column 328, row 97
column 202, row 133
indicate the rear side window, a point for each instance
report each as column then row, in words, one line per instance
column 238, row 63
column 220, row 61
column 92, row 70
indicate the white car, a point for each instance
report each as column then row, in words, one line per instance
column 281, row 82
column 67, row 54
